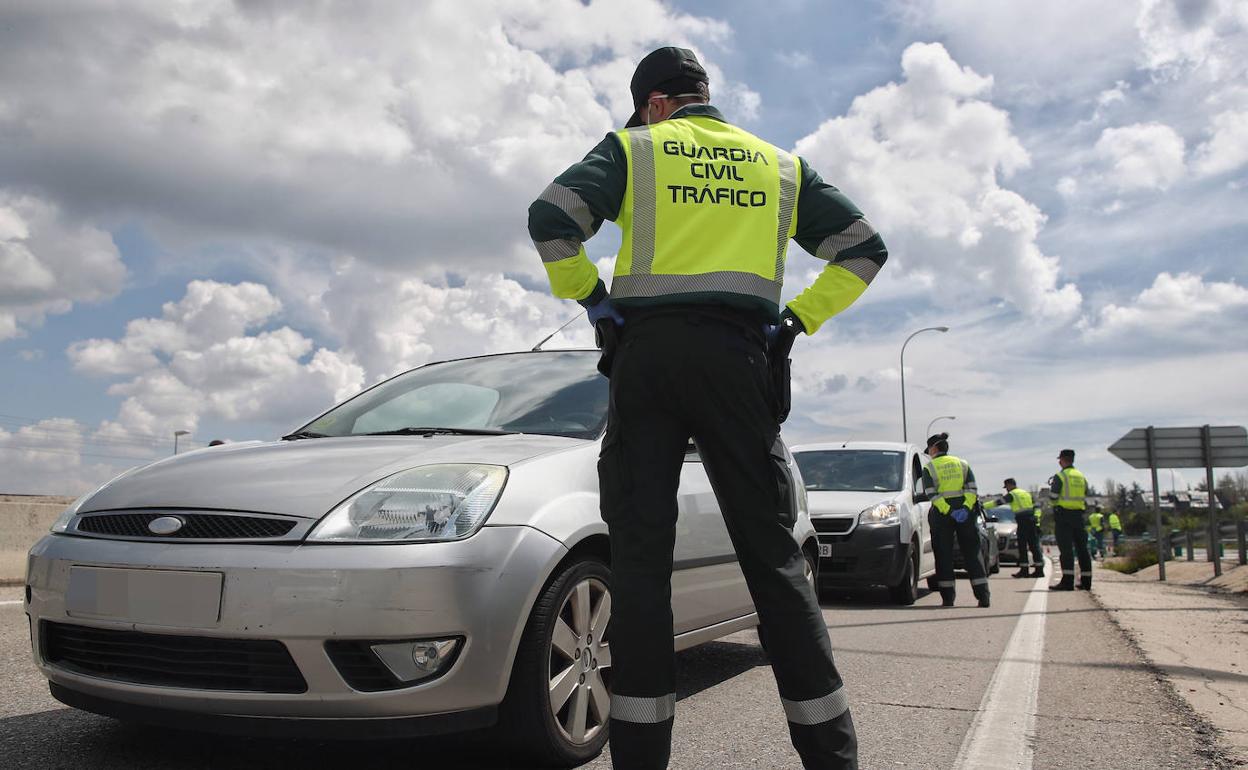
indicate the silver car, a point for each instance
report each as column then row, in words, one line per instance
column 425, row 557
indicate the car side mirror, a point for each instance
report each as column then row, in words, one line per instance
column 921, row 497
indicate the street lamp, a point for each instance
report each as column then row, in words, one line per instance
column 938, row 419
column 905, row 436
column 176, row 434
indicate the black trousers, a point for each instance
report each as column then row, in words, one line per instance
column 685, row 375
column 1072, row 539
column 944, row 531
column 1028, row 539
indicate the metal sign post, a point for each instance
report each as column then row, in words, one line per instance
column 1203, row 447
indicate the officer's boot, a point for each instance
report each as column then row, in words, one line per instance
column 1085, row 582
column 981, row 593
column 946, row 597
column 1067, row 584
column 1022, row 572
column 1038, row 570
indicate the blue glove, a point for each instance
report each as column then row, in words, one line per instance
column 960, row 515
column 604, row 309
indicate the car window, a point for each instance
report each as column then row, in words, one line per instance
column 559, row 393
column 852, row 470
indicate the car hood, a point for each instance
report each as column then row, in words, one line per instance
column 1004, row 527
column 305, row 478
column 845, row 503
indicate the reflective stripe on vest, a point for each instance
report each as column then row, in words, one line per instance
column 709, row 208
column 1020, row 500
column 950, row 474
column 1074, row 490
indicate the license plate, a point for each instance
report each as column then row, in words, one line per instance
column 147, row 596
column 825, row 550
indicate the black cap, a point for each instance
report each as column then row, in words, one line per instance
column 1010, row 483
column 659, row 67
column 1067, row 454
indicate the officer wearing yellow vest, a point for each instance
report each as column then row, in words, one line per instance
column 1027, row 519
column 690, row 324
column 1096, row 525
column 1115, row 528
column 1068, row 490
column 950, row 485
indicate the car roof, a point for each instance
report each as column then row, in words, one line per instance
column 833, row 446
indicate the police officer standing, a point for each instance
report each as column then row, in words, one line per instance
column 1096, row 521
column 707, row 211
column 1115, row 528
column 950, row 485
column 1068, row 490
column 1027, row 518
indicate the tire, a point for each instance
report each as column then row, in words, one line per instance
column 906, row 592
column 564, row 641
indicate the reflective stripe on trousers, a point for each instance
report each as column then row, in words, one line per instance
column 816, row 710
column 629, row 708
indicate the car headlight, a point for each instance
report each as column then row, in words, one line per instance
column 62, row 522
column 880, row 513
column 429, row 503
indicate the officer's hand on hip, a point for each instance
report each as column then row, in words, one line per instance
column 960, row 515
column 780, row 336
column 604, row 309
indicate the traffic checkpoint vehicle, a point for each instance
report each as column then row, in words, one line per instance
column 426, row 557
column 867, row 504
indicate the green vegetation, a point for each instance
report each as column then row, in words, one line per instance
column 1137, row 557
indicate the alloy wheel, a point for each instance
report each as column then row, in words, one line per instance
column 580, row 662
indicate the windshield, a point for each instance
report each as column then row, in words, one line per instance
column 1003, row 513
column 555, row 393
column 852, row 470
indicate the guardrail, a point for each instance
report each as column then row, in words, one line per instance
column 23, row 520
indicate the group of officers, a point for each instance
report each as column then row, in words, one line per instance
column 950, row 485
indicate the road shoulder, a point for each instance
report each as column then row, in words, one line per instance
column 1194, row 637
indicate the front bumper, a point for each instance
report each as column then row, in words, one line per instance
column 865, row 556
column 302, row 596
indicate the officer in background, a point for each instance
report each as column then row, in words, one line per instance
column 1027, row 518
column 707, row 211
column 1068, row 489
column 1115, row 529
column 1096, row 526
column 950, row 485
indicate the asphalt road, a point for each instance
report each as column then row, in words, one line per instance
column 918, row 678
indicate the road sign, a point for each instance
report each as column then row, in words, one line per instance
column 1184, row 447
column 1203, row 447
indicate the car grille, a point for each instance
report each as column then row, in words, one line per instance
column 833, row 526
column 201, row 663
column 360, row 668
column 1003, row 542
column 196, row 525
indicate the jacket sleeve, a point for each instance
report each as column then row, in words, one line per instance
column 1055, row 485
column 929, row 484
column 831, row 227
column 569, row 212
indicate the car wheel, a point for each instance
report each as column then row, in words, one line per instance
column 907, row 589
column 811, row 570
column 559, row 698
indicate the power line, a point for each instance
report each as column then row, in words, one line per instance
column 22, row 426
column 75, row 453
column 34, row 421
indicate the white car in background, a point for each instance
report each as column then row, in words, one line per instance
column 867, row 504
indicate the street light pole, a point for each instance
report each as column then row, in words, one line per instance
column 938, row 419
column 176, row 434
column 905, row 435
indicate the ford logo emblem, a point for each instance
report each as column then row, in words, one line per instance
column 165, row 525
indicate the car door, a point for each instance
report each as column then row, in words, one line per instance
column 927, row 557
column 707, row 584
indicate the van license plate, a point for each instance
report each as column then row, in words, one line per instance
column 825, row 550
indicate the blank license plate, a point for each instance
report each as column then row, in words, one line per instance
column 825, row 550
column 147, row 596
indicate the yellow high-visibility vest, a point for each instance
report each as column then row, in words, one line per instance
column 1074, row 492
column 950, row 474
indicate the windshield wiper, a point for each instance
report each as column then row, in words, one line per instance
column 440, row 432
column 303, row 434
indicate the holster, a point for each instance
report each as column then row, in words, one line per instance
column 781, row 367
column 607, row 338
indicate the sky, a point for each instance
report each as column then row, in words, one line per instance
column 223, row 217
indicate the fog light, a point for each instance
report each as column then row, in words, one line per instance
column 413, row 661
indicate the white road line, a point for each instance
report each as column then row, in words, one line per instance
column 1005, row 725
column 6, row 603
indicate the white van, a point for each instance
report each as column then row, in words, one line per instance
column 868, row 507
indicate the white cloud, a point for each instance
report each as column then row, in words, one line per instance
column 924, row 159
column 1180, row 34
column 1176, row 307
column 49, row 263
column 401, row 133
column 52, row 456
column 1227, row 148
column 201, row 359
column 1144, row 156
